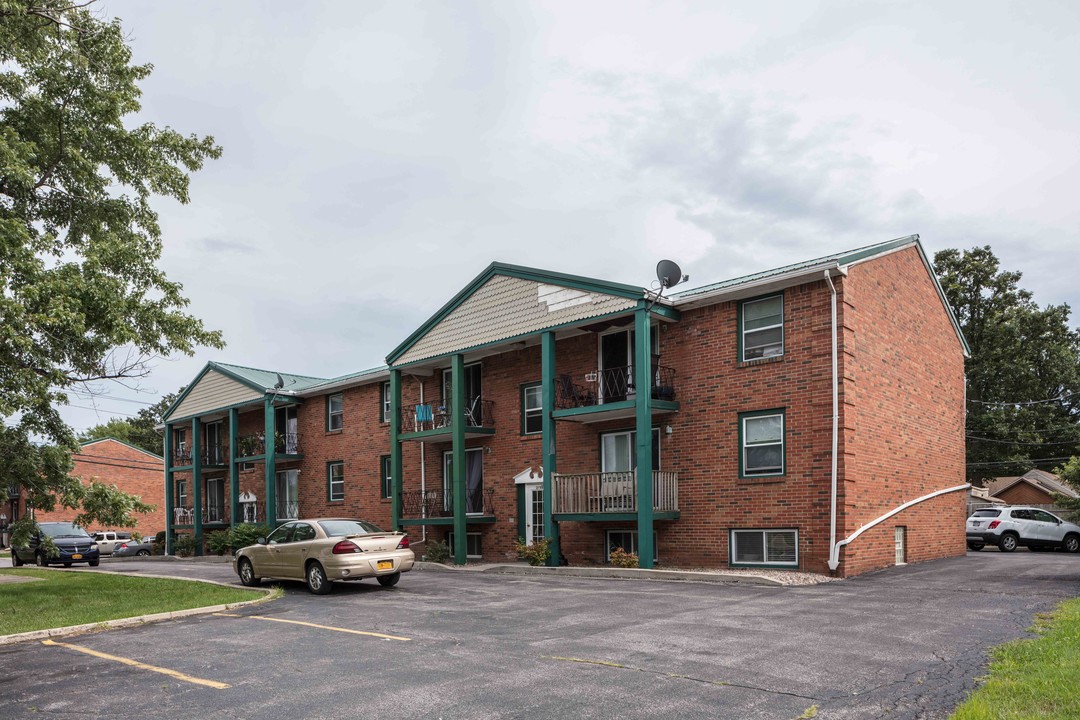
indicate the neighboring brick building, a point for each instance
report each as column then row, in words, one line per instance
column 697, row 430
column 131, row 469
column 1035, row 487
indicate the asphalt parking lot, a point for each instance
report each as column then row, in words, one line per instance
column 907, row 642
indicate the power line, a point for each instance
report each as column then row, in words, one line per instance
column 88, row 396
column 102, row 410
column 1025, row 461
column 1059, row 398
column 1075, row 441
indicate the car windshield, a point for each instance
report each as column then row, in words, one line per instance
column 986, row 513
column 63, row 530
column 337, row 528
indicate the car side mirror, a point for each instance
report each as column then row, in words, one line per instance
column 260, row 541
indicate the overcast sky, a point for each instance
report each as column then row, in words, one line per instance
column 377, row 156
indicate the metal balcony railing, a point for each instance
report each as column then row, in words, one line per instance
column 215, row 454
column 612, row 492
column 211, row 514
column 288, row 509
column 437, row 503
column 612, row 384
column 181, row 455
column 432, row 416
column 253, row 445
column 13, row 492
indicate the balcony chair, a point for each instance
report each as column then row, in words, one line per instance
column 571, row 394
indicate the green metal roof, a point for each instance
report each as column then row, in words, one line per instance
column 842, row 258
column 346, row 378
column 266, row 379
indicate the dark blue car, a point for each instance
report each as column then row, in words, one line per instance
column 74, row 543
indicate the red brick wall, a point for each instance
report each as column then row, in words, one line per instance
column 904, row 413
column 131, row 470
column 1025, row 494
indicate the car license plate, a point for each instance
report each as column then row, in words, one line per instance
column 386, row 564
column 975, row 524
column 76, row 556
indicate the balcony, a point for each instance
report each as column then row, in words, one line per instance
column 612, row 495
column 610, row 394
column 435, row 421
column 248, row 446
column 181, row 456
column 13, row 492
column 215, row 455
column 436, row 507
column 211, row 515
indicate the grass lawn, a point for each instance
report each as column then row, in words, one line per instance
column 1036, row 678
column 63, row 598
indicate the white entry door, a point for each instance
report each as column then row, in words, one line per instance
column 534, row 512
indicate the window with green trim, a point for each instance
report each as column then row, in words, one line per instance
column 765, row 547
column 532, row 409
column 473, row 544
column 761, row 328
column 387, row 480
column 627, row 541
column 761, row 435
column 384, row 402
column 335, row 478
column 335, row 411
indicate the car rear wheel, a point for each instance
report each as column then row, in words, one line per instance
column 1071, row 544
column 143, row 553
column 389, row 580
column 39, row 558
column 247, row 574
column 316, row 579
column 1007, row 543
column 975, row 546
column 15, row 561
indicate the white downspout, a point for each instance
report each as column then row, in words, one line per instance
column 834, row 552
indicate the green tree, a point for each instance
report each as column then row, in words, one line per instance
column 138, row 431
column 82, row 298
column 1024, row 371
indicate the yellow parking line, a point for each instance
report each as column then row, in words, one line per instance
column 143, row 666
column 330, row 627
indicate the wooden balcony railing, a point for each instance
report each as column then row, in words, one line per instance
column 612, row 492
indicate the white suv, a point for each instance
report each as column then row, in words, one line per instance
column 1010, row 527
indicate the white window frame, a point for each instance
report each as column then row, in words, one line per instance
column 330, row 414
column 527, row 412
column 468, row 536
column 386, row 404
column 765, row 533
column 331, row 482
column 633, row 543
column 744, row 332
column 744, row 466
column 633, row 450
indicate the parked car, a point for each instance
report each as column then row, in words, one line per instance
column 1012, row 526
column 322, row 550
column 130, row 548
column 107, row 540
column 74, row 543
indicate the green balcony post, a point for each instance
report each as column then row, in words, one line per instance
column 170, row 502
column 196, row 482
column 234, row 467
column 269, row 453
column 643, row 428
column 457, row 425
column 547, row 390
column 396, row 480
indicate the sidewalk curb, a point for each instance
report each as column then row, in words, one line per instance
column 609, row 573
column 138, row 619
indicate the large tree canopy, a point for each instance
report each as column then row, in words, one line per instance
column 82, row 298
column 1024, row 372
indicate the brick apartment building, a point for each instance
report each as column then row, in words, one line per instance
column 807, row 417
column 112, row 462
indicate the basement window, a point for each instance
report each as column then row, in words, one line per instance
column 757, row 548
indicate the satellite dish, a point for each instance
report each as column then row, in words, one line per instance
column 669, row 274
column 280, row 383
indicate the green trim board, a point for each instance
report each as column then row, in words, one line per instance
column 782, row 412
column 448, row 520
column 223, row 408
column 471, row 431
column 658, row 407
column 522, row 508
column 614, row 517
column 578, row 282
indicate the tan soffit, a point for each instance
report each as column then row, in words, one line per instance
column 214, row 391
column 506, row 307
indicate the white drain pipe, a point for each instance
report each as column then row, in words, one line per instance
column 834, row 551
column 834, row 554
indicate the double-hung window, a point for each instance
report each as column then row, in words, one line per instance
column 761, row 328
column 335, row 478
column 335, row 411
column 384, row 403
column 532, row 409
column 387, row 479
column 762, row 439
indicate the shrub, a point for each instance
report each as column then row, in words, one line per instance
column 438, row 551
column 621, row 558
column 217, row 542
column 158, row 546
column 245, row 534
column 536, row 554
column 184, row 545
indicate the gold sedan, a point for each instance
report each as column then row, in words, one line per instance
column 322, row 550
